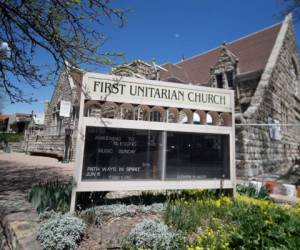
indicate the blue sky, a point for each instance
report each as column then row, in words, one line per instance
column 167, row 30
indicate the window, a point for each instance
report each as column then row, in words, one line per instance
column 94, row 111
column 209, row 120
column 141, row 113
column 109, row 110
column 284, row 113
column 155, row 116
column 196, row 118
column 59, row 126
column 126, row 111
column 75, row 113
column 172, row 115
column 229, row 76
column 219, row 78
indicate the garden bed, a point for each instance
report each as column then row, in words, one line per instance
column 192, row 220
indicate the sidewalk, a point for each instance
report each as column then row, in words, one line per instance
column 18, row 173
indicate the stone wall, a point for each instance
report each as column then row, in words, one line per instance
column 17, row 146
column 256, row 151
column 47, row 144
column 244, row 92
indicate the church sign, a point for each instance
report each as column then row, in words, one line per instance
column 137, row 134
column 184, row 96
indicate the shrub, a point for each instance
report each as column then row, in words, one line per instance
column 216, row 236
column 264, row 225
column 251, row 191
column 52, row 195
column 62, row 232
column 96, row 214
column 150, row 234
column 11, row 137
column 188, row 215
column 242, row 223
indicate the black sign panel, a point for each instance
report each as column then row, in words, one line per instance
column 121, row 154
column 197, row 156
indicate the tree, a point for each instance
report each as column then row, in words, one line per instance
column 2, row 100
column 66, row 30
column 291, row 6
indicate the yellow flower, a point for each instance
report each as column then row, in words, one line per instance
column 226, row 200
column 210, row 232
column 218, row 203
column 268, row 222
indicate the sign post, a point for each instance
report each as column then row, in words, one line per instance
column 137, row 134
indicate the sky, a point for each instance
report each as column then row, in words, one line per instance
column 168, row 30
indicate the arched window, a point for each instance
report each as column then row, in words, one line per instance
column 141, row 113
column 109, row 110
column 92, row 109
column 172, row 115
column 295, row 77
column 196, row 118
column 185, row 116
column 157, row 114
column 209, row 120
column 126, row 111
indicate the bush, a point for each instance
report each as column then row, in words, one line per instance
column 251, row 191
column 150, row 234
column 241, row 223
column 53, row 195
column 216, row 236
column 11, row 137
column 61, row 232
column 188, row 215
column 265, row 225
column 96, row 214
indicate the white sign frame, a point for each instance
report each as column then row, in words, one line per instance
column 115, row 185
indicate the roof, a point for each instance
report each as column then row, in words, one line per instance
column 21, row 117
column 4, row 117
column 252, row 52
column 173, row 73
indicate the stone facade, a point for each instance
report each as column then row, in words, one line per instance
column 275, row 98
column 137, row 69
column 58, row 138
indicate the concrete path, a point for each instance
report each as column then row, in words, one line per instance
column 18, row 173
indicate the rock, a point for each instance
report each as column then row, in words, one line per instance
column 3, row 242
column 20, row 229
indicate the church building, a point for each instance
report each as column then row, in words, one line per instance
column 263, row 70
